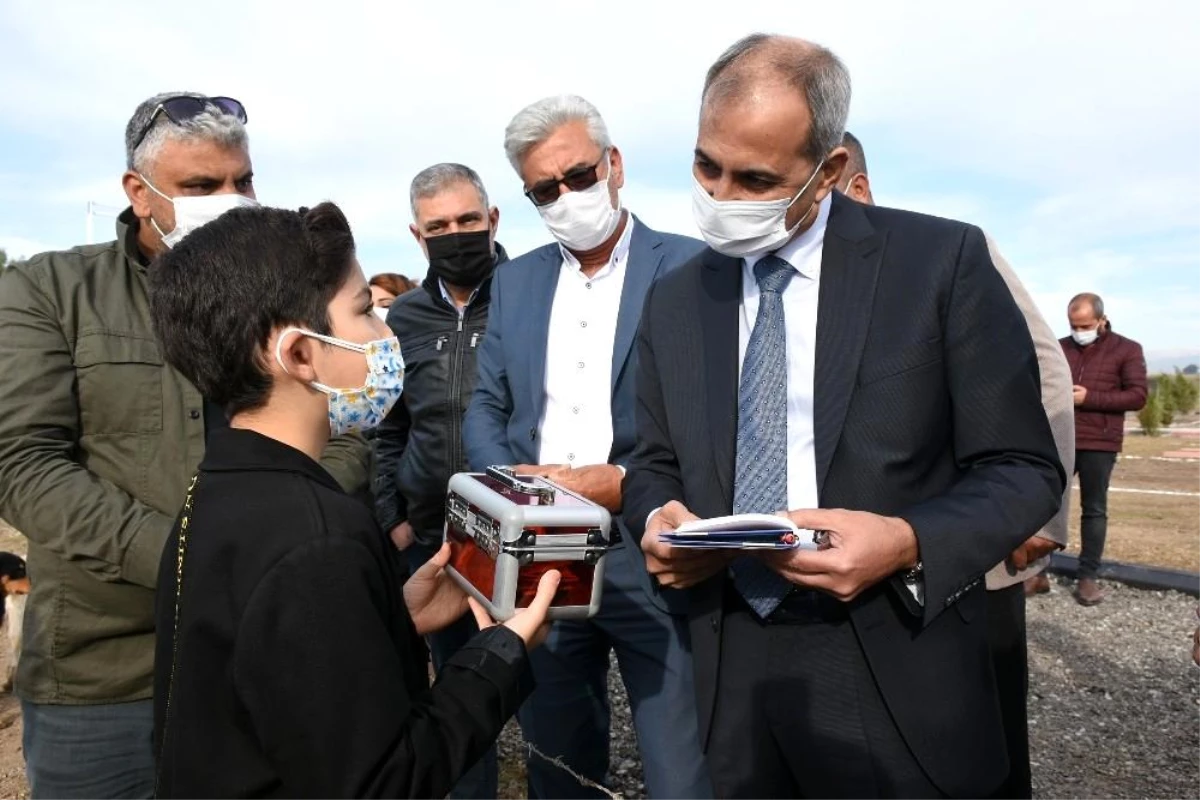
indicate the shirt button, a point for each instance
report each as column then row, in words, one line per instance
column 589, row 284
column 570, row 456
column 575, row 409
column 194, row 414
column 581, row 365
column 583, row 323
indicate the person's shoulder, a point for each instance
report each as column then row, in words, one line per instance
column 537, row 255
column 677, row 244
column 515, row 273
column 68, row 267
column 915, row 224
column 1126, row 344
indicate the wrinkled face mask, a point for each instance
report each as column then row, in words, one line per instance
column 192, row 212
column 461, row 259
column 367, row 406
column 583, row 220
column 1084, row 338
column 746, row 228
column 382, row 312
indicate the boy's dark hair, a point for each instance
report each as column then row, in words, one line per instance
column 217, row 295
column 12, row 566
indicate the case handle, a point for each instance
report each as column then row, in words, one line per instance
column 509, row 480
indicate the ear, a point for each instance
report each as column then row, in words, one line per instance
column 831, row 171
column 616, row 168
column 296, row 356
column 138, row 194
column 416, row 232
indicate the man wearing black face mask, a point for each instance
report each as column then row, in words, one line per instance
column 440, row 328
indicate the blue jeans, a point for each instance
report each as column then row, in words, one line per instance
column 568, row 713
column 102, row 751
column 482, row 781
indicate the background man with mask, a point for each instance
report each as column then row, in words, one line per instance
column 866, row 369
column 98, row 441
column 439, row 327
column 1022, row 572
column 556, row 389
column 1109, row 376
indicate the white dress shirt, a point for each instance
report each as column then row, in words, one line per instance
column 800, row 332
column 576, row 425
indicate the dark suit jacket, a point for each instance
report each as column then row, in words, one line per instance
column 926, row 406
column 502, row 422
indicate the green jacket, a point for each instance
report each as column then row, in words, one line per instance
column 98, row 440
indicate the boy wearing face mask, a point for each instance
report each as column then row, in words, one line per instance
column 98, row 438
column 440, row 326
column 289, row 660
column 1109, row 373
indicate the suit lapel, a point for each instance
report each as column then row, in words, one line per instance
column 641, row 268
column 543, row 281
column 719, row 306
column 850, row 262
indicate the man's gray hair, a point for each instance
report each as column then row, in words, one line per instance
column 212, row 124
column 808, row 67
column 432, row 180
column 535, row 123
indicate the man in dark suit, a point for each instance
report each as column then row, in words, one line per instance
column 868, row 369
column 556, row 372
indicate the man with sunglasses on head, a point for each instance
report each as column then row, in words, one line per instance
column 556, row 397
column 98, row 441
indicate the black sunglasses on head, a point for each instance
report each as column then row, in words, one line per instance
column 543, row 193
column 181, row 109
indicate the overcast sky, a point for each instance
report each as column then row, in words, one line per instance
column 1069, row 131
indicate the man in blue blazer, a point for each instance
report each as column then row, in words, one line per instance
column 556, row 397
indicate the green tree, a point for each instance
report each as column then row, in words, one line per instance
column 1164, row 387
column 1151, row 414
column 1185, row 393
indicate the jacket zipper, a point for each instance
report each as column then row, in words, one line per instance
column 456, row 411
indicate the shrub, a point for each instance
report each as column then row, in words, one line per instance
column 1151, row 414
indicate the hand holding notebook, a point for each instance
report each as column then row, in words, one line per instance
column 740, row 532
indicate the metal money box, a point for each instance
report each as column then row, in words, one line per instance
column 506, row 530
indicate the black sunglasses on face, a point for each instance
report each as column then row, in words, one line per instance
column 181, row 109
column 546, row 192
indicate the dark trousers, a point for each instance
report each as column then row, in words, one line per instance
column 482, row 780
column 89, row 751
column 1094, row 468
column 568, row 716
column 799, row 715
column 1006, row 638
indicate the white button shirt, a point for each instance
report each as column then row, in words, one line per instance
column 576, row 425
column 800, row 331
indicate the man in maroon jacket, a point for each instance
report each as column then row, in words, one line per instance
column 1109, row 373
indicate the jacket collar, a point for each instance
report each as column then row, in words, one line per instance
column 240, row 450
column 127, row 239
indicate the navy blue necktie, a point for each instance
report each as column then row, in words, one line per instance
column 760, row 480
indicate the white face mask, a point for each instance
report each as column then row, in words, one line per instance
column 1084, row 338
column 382, row 312
column 192, row 212
column 583, row 220
column 746, row 228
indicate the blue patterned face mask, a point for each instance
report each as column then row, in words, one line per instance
column 365, row 407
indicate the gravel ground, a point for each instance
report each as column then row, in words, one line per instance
column 1114, row 701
